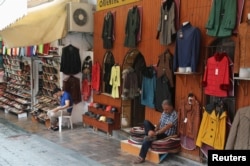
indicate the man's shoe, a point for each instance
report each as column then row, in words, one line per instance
column 56, row 128
column 150, row 138
column 139, row 160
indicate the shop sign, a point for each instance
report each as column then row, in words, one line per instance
column 107, row 4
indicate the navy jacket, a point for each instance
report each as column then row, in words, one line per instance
column 187, row 48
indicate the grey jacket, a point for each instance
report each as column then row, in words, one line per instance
column 166, row 26
column 239, row 135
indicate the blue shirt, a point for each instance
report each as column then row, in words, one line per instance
column 66, row 96
column 167, row 118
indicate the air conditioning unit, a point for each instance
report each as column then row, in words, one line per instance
column 80, row 17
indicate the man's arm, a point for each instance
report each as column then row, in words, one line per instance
column 67, row 104
column 164, row 129
column 157, row 127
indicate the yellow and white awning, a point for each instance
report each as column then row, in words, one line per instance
column 40, row 26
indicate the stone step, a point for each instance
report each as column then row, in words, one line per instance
column 120, row 134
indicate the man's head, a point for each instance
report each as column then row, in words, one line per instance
column 167, row 106
column 56, row 92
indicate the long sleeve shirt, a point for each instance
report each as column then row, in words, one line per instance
column 187, row 47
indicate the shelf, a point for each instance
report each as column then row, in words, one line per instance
column 102, row 112
column 20, row 114
column 48, row 80
column 97, row 124
column 187, row 73
column 17, row 95
column 13, row 104
column 241, row 78
column 104, row 126
column 23, row 95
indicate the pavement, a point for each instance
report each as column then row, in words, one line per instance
column 27, row 143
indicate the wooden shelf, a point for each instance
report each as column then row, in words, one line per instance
column 97, row 124
column 102, row 112
column 241, row 78
column 104, row 126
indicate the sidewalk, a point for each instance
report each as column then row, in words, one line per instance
column 80, row 145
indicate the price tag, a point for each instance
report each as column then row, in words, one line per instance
column 165, row 17
column 216, row 71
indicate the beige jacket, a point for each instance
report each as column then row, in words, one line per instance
column 239, row 135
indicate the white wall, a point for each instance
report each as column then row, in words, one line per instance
column 78, row 40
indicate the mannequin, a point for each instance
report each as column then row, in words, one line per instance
column 185, row 69
column 185, row 23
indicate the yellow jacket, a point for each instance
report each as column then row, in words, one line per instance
column 212, row 130
column 115, row 81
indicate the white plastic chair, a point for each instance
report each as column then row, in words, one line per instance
column 68, row 117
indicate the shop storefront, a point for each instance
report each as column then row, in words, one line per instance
column 143, row 52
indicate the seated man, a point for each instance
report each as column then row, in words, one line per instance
column 167, row 126
column 65, row 102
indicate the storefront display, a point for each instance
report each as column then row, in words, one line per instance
column 17, row 96
column 132, row 72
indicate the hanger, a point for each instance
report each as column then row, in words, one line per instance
column 166, row 51
column 219, row 106
column 167, row 3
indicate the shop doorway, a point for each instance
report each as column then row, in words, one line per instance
column 133, row 112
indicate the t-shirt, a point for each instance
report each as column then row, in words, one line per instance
column 66, row 96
